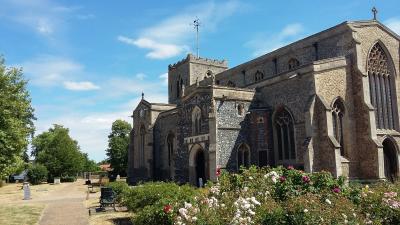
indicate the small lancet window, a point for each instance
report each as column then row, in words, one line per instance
column 337, row 121
column 293, row 64
column 240, row 109
column 243, row 156
column 231, row 84
column 258, row 76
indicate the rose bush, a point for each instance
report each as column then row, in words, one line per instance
column 265, row 196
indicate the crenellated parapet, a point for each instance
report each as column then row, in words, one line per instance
column 194, row 59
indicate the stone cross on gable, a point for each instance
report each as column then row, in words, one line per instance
column 374, row 11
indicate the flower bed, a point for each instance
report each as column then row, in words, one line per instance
column 265, row 196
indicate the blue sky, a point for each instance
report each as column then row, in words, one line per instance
column 89, row 61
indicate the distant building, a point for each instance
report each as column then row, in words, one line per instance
column 327, row 102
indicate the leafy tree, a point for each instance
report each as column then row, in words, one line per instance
column 56, row 150
column 37, row 173
column 90, row 165
column 118, row 142
column 16, row 118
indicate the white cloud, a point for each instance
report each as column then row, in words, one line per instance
column 266, row 43
column 141, row 76
column 80, row 86
column 45, row 17
column 164, row 78
column 393, row 24
column 157, row 50
column 50, row 70
column 53, row 71
column 169, row 37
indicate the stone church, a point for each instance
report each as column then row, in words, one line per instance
column 326, row 102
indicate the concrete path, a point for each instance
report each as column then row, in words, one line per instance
column 66, row 206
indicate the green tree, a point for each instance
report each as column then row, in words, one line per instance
column 56, row 150
column 90, row 165
column 37, row 173
column 118, row 142
column 16, row 118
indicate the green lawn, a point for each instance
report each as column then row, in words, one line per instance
column 20, row 214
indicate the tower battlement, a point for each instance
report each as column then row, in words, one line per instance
column 194, row 59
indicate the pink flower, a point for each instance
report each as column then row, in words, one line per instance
column 306, row 179
column 282, row 179
column 167, row 209
column 218, row 172
column 290, row 168
column 336, row 190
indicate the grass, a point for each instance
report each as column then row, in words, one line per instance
column 20, row 214
column 109, row 217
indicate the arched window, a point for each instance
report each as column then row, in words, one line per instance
column 258, row 76
column 240, row 109
column 382, row 93
column 243, row 156
column 231, row 84
column 142, row 143
column 390, row 163
column 196, row 120
column 337, row 121
column 293, row 63
column 179, row 85
column 170, row 146
column 284, row 128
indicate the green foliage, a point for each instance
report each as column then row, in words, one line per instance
column 37, row 173
column 265, row 196
column 118, row 143
column 120, row 188
column 68, row 179
column 89, row 165
column 58, row 152
column 149, row 200
column 16, row 117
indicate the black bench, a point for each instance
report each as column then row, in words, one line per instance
column 107, row 197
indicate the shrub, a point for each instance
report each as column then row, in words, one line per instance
column 264, row 196
column 68, row 179
column 37, row 173
column 149, row 200
column 120, row 188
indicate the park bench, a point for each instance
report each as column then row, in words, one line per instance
column 107, row 197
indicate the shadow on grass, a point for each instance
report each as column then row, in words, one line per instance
column 122, row 221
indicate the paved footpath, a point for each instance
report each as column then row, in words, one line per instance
column 66, row 206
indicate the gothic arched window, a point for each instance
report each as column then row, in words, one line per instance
column 179, row 85
column 337, row 121
column 382, row 93
column 284, row 128
column 170, row 146
column 231, row 84
column 293, row 63
column 243, row 156
column 142, row 143
column 258, row 76
column 196, row 120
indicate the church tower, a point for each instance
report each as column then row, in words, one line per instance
column 189, row 71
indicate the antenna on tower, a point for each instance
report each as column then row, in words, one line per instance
column 196, row 24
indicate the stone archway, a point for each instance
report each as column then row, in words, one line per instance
column 197, row 165
column 390, row 162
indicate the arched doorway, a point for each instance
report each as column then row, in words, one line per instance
column 200, row 168
column 197, row 165
column 390, row 160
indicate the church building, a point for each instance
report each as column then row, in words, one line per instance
column 326, row 102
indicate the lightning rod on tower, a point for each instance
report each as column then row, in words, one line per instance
column 196, row 24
